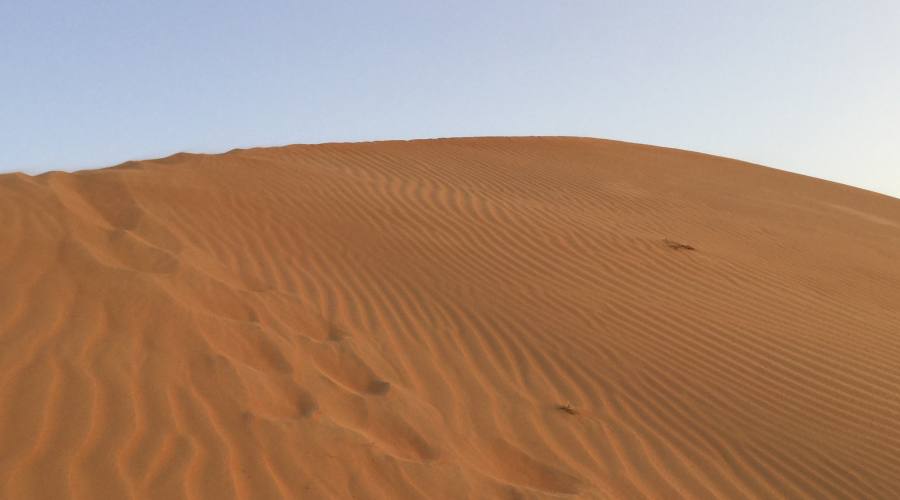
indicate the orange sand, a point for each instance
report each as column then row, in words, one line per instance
column 463, row 318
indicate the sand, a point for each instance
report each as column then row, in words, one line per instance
column 460, row 318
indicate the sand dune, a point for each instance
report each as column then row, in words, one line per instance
column 461, row 318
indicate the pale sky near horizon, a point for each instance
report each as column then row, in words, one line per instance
column 806, row 86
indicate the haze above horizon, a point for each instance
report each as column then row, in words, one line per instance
column 808, row 87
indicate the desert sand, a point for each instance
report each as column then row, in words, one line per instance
column 456, row 318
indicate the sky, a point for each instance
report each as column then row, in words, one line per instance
column 807, row 86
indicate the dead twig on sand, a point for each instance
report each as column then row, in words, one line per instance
column 678, row 246
column 567, row 408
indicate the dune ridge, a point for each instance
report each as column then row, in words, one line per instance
column 455, row 318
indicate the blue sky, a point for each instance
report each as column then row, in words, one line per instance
column 806, row 86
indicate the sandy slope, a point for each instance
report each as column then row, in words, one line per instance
column 404, row 319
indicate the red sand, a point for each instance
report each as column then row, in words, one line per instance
column 462, row 318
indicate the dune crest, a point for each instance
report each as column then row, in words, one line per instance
column 457, row 318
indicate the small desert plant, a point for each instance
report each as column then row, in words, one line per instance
column 678, row 246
